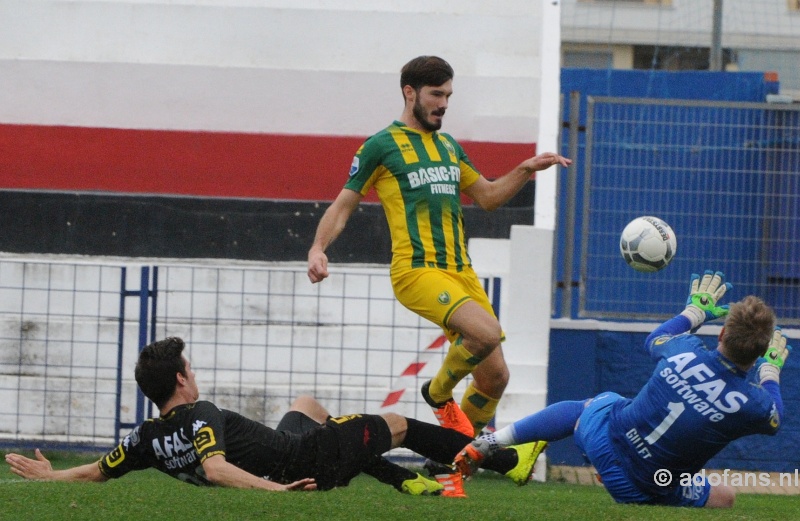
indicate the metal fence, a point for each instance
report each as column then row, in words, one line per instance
column 257, row 338
column 725, row 176
column 59, row 337
column 345, row 340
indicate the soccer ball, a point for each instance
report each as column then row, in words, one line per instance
column 647, row 244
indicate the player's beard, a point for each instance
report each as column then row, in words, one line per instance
column 421, row 115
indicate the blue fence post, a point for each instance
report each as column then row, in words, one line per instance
column 120, row 341
column 143, row 294
column 153, row 293
column 147, row 324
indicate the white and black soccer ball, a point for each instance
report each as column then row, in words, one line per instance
column 647, row 244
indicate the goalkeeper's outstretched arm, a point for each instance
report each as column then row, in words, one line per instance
column 677, row 325
column 701, row 307
column 768, row 369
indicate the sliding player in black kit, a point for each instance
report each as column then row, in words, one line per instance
column 199, row 443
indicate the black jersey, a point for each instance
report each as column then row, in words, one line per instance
column 178, row 443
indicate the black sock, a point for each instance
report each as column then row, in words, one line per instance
column 434, row 442
column 443, row 445
column 387, row 472
column 501, row 461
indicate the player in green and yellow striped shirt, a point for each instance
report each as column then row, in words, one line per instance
column 419, row 174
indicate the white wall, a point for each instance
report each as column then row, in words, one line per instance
column 524, row 263
column 292, row 67
column 247, row 324
column 549, row 113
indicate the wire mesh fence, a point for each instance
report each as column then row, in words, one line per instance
column 257, row 338
column 59, row 338
column 725, row 176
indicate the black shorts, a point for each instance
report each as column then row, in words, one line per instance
column 296, row 422
column 345, row 446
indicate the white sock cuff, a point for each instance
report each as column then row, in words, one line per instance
column 505, row 436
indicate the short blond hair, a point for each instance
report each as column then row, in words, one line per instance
column 748, row 330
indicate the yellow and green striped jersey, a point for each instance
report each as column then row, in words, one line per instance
column 418, row 177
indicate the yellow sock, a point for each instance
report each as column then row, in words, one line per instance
column 457, row 364
column 478, row 407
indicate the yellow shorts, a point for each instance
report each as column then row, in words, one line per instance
column 435, row 294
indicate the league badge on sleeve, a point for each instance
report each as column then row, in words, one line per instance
column 354, row 166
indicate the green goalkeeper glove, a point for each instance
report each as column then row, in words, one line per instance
column 770, row 365
column 704, row 294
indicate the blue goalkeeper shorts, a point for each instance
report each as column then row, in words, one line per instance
column 593, row 439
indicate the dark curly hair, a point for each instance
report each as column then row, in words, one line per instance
column 425, row 70
column 157, row 366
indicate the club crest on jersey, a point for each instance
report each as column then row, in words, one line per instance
column 354, row 166
column 444, row 298
column 449, row 146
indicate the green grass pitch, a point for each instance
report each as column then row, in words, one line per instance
column 151, row 496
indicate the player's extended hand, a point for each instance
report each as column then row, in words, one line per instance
column 770, row 365
column 39, row 468
column 304, row 485
column 704, row 294
column 545, row 160
column 317, row 266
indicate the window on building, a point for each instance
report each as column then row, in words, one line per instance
column 655, row 2
column 676, row 58
column 588, row 59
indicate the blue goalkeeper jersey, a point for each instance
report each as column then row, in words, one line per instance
column 693, row 405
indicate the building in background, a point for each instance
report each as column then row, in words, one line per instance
column 756, row 35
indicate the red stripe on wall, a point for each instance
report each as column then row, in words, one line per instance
column 266, row 166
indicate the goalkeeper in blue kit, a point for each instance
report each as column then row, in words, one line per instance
column 696, row 402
